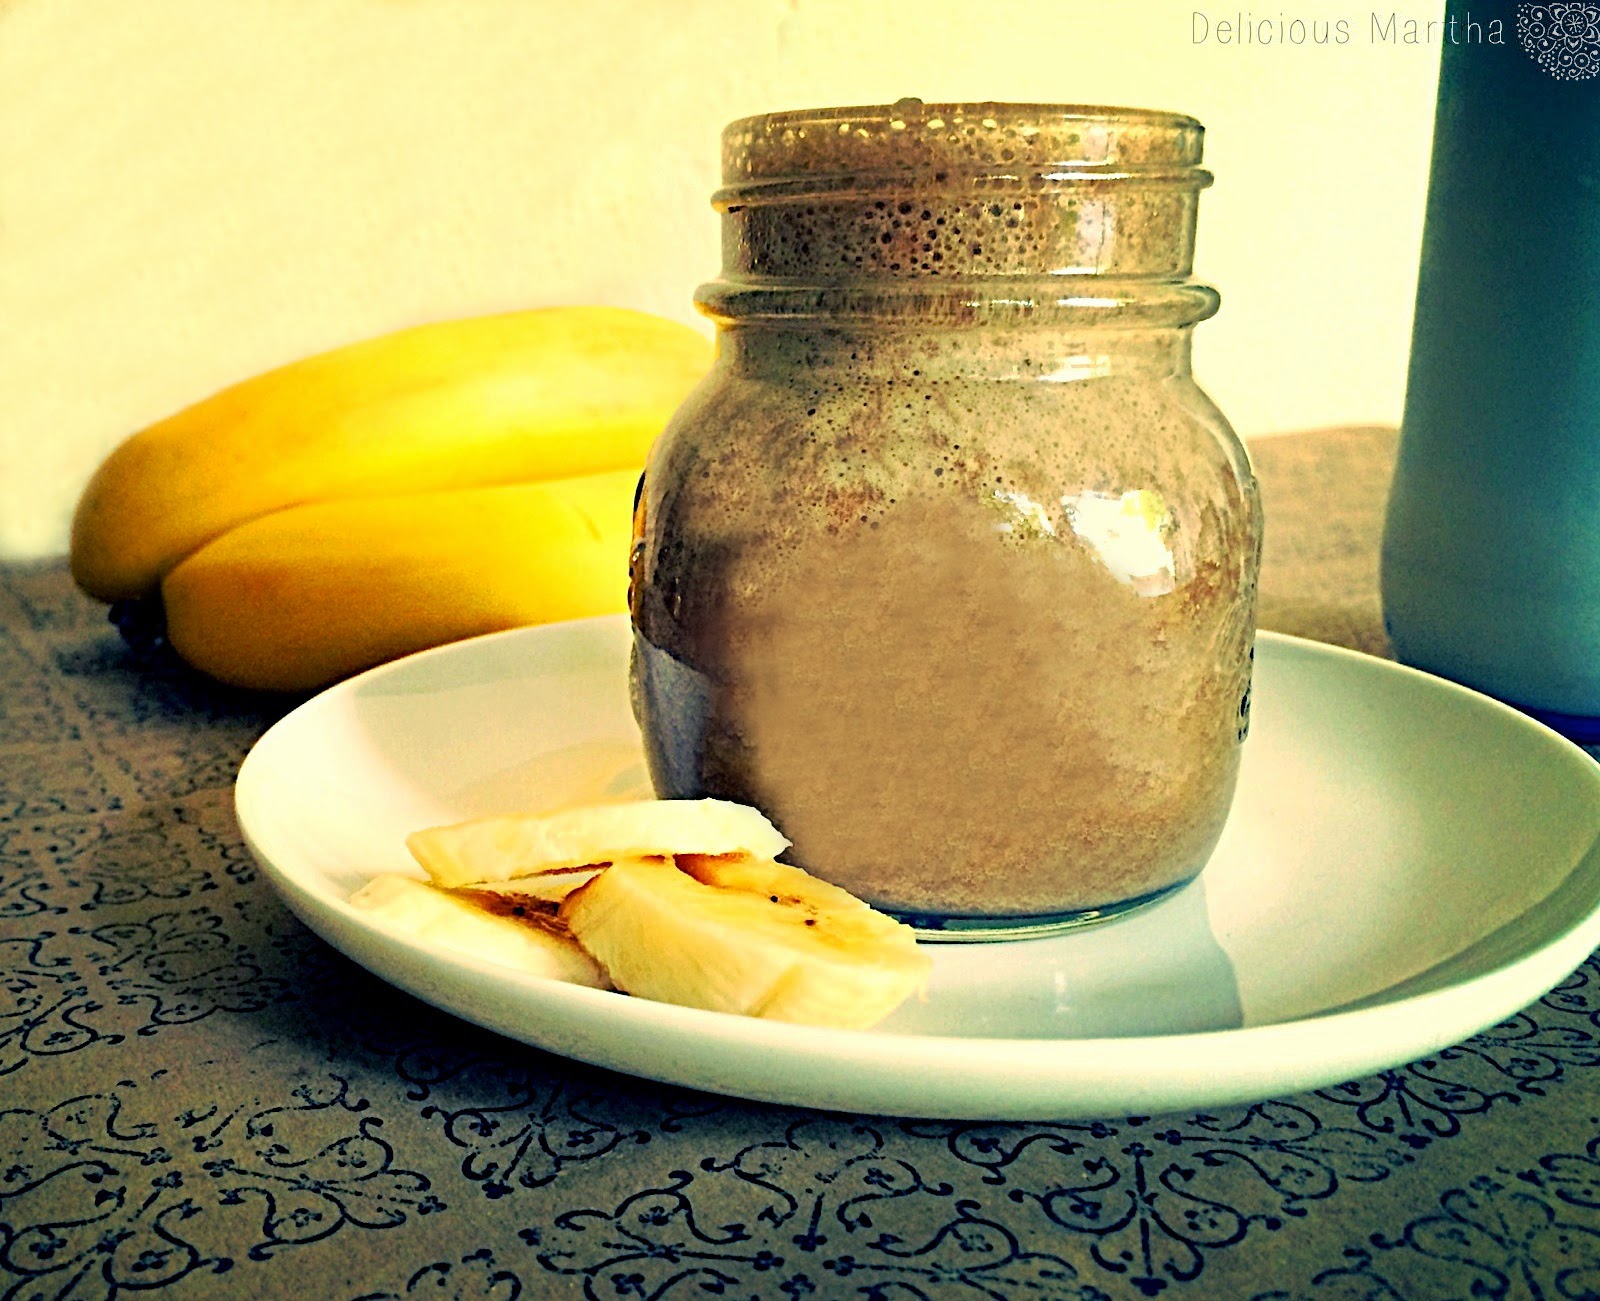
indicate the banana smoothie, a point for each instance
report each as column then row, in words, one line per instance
column 951, row 575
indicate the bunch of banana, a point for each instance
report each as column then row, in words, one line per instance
column 679, row 901
column 446, row 480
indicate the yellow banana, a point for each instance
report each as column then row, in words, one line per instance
column 304, row 596
column 531, row 941
column 515, row 847
column 533, row 395
column 680, row 901
column 740, row 935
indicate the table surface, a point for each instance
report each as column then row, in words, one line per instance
column 199, row 1098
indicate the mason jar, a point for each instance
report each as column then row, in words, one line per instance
column 948, row 566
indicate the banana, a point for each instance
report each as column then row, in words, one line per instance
column 680, row 901
column 541, row 394
column 542, row 891
column 533, row 941
column 485, row 851
column 740, row 935
column 305, row 596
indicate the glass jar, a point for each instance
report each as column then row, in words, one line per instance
column 949, row 566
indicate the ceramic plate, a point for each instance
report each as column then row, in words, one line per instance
column 1406, row 863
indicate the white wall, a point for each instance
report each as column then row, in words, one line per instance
column 195, row 190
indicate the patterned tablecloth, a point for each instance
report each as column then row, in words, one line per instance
column 200, row 1099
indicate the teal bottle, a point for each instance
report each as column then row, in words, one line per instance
column 1491, row 549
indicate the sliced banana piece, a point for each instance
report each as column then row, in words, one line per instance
column 534, row 942
column 539, row 890
column 486, row 850
column 743, row 935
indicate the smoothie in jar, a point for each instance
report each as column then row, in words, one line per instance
column 948, row 570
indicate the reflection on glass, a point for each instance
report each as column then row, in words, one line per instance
column 1081, row 365
column 1131, row 534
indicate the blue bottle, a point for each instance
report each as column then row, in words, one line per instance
column 1491, row 550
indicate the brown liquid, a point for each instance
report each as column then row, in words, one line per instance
column 950, row 700
column 949, row 567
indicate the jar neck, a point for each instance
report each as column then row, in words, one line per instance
column 982, row 214
column 1078, row 221
column 1045, row 353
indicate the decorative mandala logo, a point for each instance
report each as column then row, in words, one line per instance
column 1564, row 39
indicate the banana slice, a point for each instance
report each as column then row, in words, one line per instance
column 527, row 938
column 488, row 850
column 540, row 891
column 742, row 935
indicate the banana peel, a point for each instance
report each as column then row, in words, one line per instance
column 303, row 597
column 541, row 394
column 435, row 483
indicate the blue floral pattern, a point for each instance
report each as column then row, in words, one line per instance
column 98, row 1199
column 1528, row 1233
column 198, row 1099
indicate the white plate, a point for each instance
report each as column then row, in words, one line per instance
column 1406, row 863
